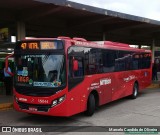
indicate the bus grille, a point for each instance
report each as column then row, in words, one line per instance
column 40, row 108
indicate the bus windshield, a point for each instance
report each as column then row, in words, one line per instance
column 40, row 70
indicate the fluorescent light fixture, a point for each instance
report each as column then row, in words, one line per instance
column 13, row 39
column 10, row 49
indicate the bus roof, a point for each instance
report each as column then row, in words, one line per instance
column 109, row 45
column 96, row 44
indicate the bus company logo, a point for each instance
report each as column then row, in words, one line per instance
column 22, row 99
column 105, row 81
column 94, row 84
column 131, row 77
column 32, row 100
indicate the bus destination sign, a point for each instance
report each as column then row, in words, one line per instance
column 43, row 45
column 47, row 45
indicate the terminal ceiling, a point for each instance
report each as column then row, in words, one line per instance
column 53, row 18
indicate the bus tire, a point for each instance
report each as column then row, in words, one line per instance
column 91, row 105
column 135, row 91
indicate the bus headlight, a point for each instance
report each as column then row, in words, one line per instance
column 58, row 100
column 61, row 99
column 54, row 103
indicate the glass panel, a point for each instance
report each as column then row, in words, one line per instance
column 45, row 70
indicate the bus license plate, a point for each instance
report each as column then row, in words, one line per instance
column 32, row 109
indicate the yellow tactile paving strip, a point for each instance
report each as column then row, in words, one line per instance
column 6, row 106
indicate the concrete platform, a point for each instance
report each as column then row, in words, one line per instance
column 6, row 102
column 155, row 84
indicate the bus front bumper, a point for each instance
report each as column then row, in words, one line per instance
column 53, row 106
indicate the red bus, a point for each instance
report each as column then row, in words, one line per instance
column 63, row 76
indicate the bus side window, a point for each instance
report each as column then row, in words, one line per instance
column 80, row 71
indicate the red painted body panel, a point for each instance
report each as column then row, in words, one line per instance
column 110, row 86
column 76, row 99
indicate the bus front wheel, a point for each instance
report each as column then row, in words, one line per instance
column 91, row 105
column 135, row 91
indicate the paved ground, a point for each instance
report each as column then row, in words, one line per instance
column 143, row 111
column 6, row 99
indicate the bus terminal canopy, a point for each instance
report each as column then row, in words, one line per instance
column 53, row 18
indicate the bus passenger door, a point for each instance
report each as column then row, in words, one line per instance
column 75, row 80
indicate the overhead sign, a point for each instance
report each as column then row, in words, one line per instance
column 32, row 45
column 48, row 45
column 42, row 45
column 4, row 34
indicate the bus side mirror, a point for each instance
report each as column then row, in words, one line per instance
column 75, row 65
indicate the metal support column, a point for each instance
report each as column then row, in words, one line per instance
column 21, row 32
column 153, row 50
column 104, row 36
column 139, row 46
